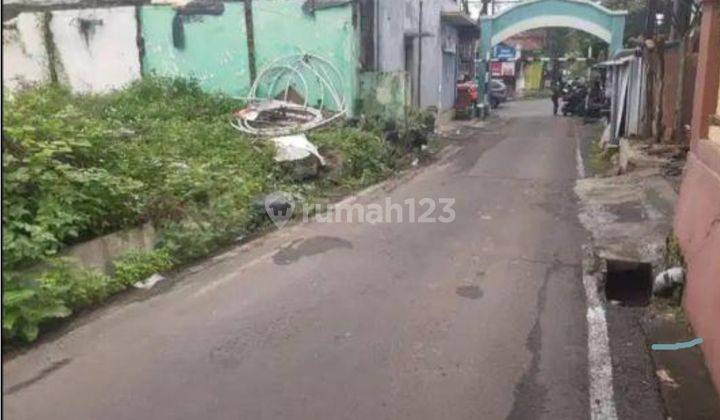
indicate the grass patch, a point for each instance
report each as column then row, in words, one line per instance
column 601, row 160
column 673, row 252
column 137, row 265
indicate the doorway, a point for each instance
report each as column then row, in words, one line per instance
column 411, row 67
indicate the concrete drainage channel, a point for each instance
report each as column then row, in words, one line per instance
column 642, row 383
column 647, row 383
column 628, row 283
column 623, row 290
column 629, row 218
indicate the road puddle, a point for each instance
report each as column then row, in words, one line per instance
column 470, row 292
column 308, row 247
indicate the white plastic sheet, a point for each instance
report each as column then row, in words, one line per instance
column 295, row 147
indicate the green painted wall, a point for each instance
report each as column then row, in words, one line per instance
column 385, row 94
column 282, row 28
column 216, row 47
column 215, row 50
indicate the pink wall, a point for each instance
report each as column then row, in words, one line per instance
column 697, row 226
column 697, row 213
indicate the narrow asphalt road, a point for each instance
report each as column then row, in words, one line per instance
column 480, row 318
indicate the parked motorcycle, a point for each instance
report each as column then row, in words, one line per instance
column 598, row 108
column 574, row 100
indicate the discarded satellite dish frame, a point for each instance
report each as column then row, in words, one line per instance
column 292, row 94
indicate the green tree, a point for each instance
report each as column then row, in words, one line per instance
column 637, row 15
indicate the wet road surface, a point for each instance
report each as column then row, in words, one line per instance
column 480, row 318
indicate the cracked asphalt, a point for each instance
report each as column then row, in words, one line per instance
column 483, row 317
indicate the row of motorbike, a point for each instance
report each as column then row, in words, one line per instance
column 579, row 101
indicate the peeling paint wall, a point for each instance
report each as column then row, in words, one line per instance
column 90, row 50
column 385, row 94
column 96, row 48
column 282, row 28
column 24, row 55
column 215, row 50
column 215, row 47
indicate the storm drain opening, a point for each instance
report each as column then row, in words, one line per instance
column 628, row 282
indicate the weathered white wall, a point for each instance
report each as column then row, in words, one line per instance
column 108, row 59
column 23, row 55
column 437, row 86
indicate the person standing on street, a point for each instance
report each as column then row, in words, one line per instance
column 555, row 98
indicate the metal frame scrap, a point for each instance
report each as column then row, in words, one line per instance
column 278, row 101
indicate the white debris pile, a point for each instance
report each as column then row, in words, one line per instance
column 149, row 282
column 668, row 280
column 295, row 147
column 292, row 95
column 298, row 155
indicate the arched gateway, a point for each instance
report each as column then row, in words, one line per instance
column 608, row 25
column 586, row 16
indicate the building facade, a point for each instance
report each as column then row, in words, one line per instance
column 433, row 41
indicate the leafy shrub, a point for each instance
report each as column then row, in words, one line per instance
column 25, row 305
column 80, row 166
column 34, row 299
column 367, row 158
column 53, row 193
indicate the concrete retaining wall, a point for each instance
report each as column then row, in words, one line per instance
column 99, row 253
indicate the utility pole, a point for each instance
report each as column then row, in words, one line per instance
column 250, row 35
column 419, row 67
